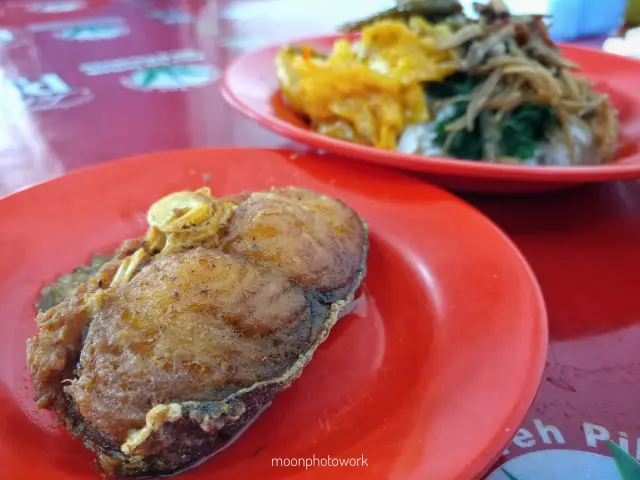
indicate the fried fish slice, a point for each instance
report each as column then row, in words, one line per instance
column 311, row 238
column 191, row 326
column 166, row 353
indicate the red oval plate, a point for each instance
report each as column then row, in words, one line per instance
column 250, row 85
column 429, row 377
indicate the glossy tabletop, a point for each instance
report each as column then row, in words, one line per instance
column 89, row 81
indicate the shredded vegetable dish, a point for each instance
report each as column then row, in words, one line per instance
column 424, row 79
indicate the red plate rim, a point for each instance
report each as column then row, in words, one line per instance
column 438, row 165
column 508, row 427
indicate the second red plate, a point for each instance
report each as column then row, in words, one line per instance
column 250, row 84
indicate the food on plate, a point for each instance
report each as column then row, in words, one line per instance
column 174, row 345
column 369, row 93
column 423, row 79
column 55, row 293
column 431, row 10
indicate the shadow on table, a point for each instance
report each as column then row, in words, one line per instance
column 584, row 246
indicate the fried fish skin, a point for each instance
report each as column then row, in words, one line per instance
column 159, row 370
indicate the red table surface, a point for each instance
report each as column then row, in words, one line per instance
column 583, row 244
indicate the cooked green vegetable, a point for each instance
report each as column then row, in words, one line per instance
column 455, row 85
column 464, row 144
column 518, row 135
column 525, row 129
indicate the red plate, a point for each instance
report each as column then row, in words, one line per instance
column 251, row 86
column 428, row 378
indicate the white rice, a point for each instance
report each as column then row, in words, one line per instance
column 419, row 139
